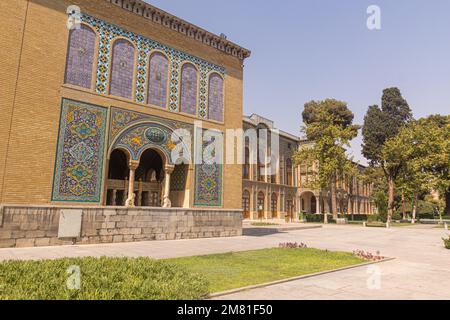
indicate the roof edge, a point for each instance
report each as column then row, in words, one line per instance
column 174, row 23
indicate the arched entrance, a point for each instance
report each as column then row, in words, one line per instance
column 147, row 183
column 308, row 202
column 117, row 182
column 156, row 177
column 148, row 180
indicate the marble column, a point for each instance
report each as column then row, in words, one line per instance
column 168, row 170
column 318, row 204
column 133, row 165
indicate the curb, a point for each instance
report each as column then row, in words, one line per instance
column 268, row 284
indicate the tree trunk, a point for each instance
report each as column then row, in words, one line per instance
column 447, row 203
column 391, row 191
column 414, row 209
column 333, row 199
column 403, row 206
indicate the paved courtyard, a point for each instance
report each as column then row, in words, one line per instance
column 420, row 269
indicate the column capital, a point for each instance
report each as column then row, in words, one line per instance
column 133, row 164
column 169, row 168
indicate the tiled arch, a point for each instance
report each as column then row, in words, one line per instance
column 215, row 97
column 80, row 57
column 189, row 88
column 158, row 79
column 122, row 68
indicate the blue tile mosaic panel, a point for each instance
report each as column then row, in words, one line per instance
column 208, row 184
column 80, row 153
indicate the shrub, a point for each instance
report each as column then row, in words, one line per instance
column 367, row 255
column 359, row 217
column 292, row 245
column 264, row 224
column 318, row 218
column 446, row 242
column 101, row 279
column 374, row 218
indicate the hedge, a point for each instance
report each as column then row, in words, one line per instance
column 317, row 218
column 100, row 279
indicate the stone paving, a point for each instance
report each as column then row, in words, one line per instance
column 420, row 270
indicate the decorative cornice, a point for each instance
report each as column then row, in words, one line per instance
column 172, row 22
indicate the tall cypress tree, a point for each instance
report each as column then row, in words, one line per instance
column 380, row 125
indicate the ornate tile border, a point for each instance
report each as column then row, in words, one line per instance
column 80, row 153
column 137, row 132
column 208, row 184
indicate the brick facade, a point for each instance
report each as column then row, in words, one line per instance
column 34, row 72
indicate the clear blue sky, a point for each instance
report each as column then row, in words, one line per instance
column 315, row 49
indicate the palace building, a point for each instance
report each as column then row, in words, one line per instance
column 87, row 109
column 95, row 98
column 287, row 193
column 93, row 95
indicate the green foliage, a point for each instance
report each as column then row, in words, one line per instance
column 424, row 148
column 317, row 218
column 446, row 242
column 374, row 218
column 101, row 279
column 424, row 208
column 358, row 217
column 383, row 124
column 380, row 126
column 264, row 224
column 328, row 124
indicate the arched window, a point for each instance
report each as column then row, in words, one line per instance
column 289, row 172
column 260, row 208
column 246, row 170
column 246, row 204
column 215, row 97
column 122, row 69
column 80, row 57
column 274, row 205
column 188, row 97
column 158, row 80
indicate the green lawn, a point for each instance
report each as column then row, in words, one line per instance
column 172, row 279
column 101, row 279
column 236, row 270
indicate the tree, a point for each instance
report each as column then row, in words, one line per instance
column 380, row 125
column 375, row 177
column 328, row 124
column 424, row 148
